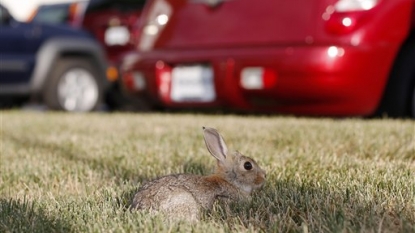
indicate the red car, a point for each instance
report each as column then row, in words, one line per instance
column 316, row 57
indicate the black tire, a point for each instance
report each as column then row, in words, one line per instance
column 399, row 95
column 73, row 85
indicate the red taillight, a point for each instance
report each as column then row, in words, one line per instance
column 270, row 78
column 258, row 78
column 163, row 78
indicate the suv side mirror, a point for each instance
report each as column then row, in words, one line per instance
column 5, row 16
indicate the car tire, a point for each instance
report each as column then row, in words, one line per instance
column 399, row 95
column 73, row 86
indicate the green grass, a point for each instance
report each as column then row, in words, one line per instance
column 77, row 173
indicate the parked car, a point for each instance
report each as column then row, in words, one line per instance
column 57, row 65
column 320, row 57
column 114, row 23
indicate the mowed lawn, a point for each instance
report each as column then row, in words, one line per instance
column 77, row 172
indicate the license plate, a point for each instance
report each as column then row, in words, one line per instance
column 118, row 35
column 192, row 84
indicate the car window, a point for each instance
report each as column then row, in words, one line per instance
column 54, row 14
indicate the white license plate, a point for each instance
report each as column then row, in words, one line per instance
column 192, row 84
column 118, row 35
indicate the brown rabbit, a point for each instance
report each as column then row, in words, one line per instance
column 181, row 196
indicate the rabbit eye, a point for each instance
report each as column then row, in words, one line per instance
column 248, row 166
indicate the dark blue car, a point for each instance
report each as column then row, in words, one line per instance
column 53, row 64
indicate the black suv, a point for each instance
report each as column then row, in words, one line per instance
column 60, row 66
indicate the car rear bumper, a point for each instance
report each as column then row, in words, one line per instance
column 310, row 80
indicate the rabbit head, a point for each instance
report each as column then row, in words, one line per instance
column 237, row 169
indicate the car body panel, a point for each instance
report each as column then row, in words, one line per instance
column 18, row 56
column 197, row 24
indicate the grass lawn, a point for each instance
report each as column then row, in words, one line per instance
column 77, row 173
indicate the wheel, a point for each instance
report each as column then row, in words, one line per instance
column 73, row 86
column 399, row 95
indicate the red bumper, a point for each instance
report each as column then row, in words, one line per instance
column 311, row 80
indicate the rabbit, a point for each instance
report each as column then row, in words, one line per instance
column 183, row 196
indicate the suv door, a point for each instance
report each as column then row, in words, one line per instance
column 17, row 49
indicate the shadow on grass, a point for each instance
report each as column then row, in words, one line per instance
column 109, row 167
column 24, row 216
column 288, row 206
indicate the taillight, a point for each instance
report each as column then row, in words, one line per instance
column 345, row 15
column 354, row 5
column 163, row 79
column 257, row 78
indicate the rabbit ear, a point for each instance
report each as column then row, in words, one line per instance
column 215, row 144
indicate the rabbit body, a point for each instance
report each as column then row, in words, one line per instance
column 183, row 196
